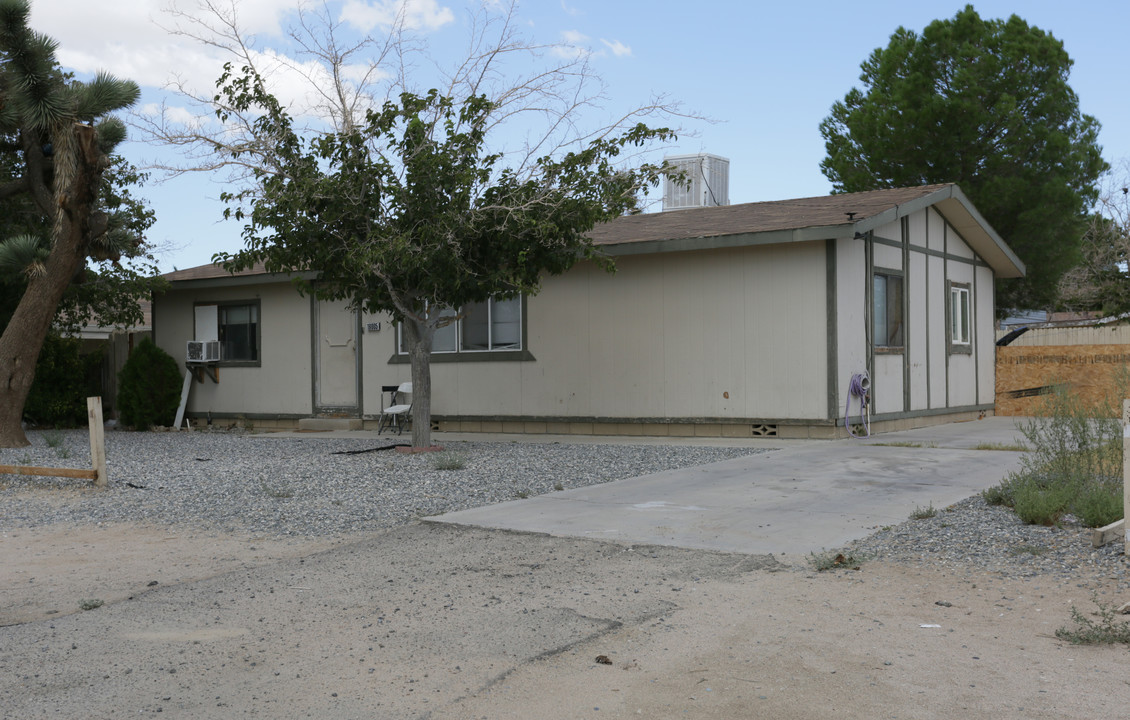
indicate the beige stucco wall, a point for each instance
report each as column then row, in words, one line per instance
column 851, row 318
column 724, row 334
column 280, row 385
column 735, row 333
column 937, row 378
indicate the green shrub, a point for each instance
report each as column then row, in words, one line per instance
column 1073, row 441
column 999, row 494
column 149, row 387
column 448, row 460
column 64, row 378
column 1099, row 504
column 1042, row 504
column 1074, row 463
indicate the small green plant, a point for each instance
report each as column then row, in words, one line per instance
column 63, row 452
column 25, row 459
column 558, row 487
column 448, row 460
column 834, row 560
column 999, row 494
column 522, row 494
column 53, row 438
column 90, row 604
column 1104, row 631
column 923, row 513
column 1010, row 447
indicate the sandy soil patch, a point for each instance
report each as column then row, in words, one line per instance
column 51, row 570
column 445, row 622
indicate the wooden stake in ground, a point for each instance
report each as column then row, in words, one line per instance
column 97, row 440
column 97, row 453
column 1126, row 477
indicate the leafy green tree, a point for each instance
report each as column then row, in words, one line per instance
column 409, row 213
column 985, row 104
column 64, row 378
column 57, row 136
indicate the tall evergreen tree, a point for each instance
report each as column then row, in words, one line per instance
column 985, row 104
column 57, row 136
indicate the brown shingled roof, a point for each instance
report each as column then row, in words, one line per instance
column 826, row 210
column 210, row 271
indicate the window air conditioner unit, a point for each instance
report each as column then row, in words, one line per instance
column 203, row 351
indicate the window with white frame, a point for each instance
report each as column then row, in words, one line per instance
column 491, row 326
column 959, row 315
column 886, row 312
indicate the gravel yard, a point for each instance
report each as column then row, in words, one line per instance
column 299, row 487
column 305, row 487
column 974, row 534
column 275, row 577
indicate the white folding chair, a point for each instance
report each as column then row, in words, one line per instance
column 399, row 413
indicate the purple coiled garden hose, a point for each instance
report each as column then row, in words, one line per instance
column 860, row 387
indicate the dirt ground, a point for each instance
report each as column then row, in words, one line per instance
column 434, row 621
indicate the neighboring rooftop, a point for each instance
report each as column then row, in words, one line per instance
column 209, row 272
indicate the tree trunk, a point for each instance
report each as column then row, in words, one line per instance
column 420, row 336
column 23, row 337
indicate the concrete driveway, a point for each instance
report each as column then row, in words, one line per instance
column 802, row 497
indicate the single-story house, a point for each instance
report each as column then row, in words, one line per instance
column 740, row 320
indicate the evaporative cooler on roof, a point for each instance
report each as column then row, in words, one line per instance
column 706, row 182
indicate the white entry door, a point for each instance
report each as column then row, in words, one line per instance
column 335, row 358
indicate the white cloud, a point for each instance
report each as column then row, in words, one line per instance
column 573, row 37
column 618, row 48
column 573, row 45
column 126, row 37
column 365, row 15
column 173, row 113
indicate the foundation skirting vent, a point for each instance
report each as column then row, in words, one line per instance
column 763, row 430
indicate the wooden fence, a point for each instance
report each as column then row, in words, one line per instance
column 1095, row 373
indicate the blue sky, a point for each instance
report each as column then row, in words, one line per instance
column 766, row 73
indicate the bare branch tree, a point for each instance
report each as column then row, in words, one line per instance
column 543, row 94
column 1101, row 280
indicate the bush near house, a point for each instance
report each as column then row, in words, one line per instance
column 64, row 378
column 149, row 386
column 1074, row 464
